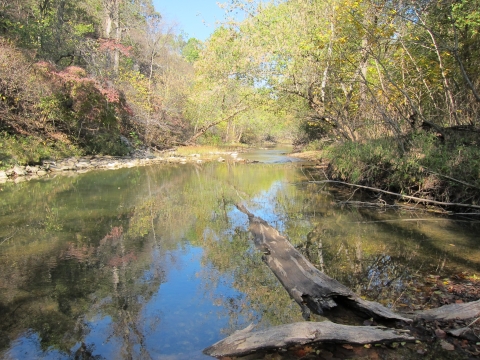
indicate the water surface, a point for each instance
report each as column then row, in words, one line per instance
column 156, row 262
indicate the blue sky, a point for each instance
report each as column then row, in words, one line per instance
column 197, row 18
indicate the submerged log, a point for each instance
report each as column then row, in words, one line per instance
column 245, row 341
column 308, row 286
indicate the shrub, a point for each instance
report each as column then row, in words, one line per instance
column 422, row 166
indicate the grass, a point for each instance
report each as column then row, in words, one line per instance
column 419, row 165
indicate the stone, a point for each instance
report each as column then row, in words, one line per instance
column 56, row 168
column 3, row 175
column 31, row 169
column 82, row 165
column 19, row 170
column 41, row 173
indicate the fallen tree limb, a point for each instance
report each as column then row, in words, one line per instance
column 426, row 201
column 450, row 312
column 453, row 179
column 309, row 287
column 245, row 341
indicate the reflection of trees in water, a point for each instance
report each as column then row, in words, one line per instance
column 107, row 257
column 380, row 275
column 379, row 260
column 52, row 279
column 264, row 297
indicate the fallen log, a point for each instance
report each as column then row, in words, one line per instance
column 246, row 341
column 450, row 312
column 309, row 287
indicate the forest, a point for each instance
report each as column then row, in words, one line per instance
column 385, row 91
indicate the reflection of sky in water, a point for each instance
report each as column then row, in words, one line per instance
column 179, row 321
column 181, row 318
column 28, row 347
column 264, row 206
column 271, row 156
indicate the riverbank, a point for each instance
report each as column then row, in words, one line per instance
column 83, row 164
column 418, row 165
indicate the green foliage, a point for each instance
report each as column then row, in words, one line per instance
column 191, row 50
column 17, row 149
column 210, row 139
column 422, row 168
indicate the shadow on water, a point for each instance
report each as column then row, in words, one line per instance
column 156, row 262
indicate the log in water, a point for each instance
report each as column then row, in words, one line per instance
column 308, row 286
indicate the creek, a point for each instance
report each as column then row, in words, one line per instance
column 156, row 263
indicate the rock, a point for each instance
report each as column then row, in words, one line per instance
column 447, row 346
column 41, row 172
column 220, row 159
column 57, row 168
column 125, row 141
column 31, row 169
column 83, row 165
column 3, row 175
column 19, row 170
column 440, row 333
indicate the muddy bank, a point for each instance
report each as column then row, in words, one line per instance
column 87, row 163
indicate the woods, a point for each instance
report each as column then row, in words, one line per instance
column 297, row 70
column 387, row 91
column 78, row 75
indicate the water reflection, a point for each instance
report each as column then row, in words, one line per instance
column 157, row 263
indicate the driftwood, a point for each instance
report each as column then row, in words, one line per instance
column 245, row 341
column 450, row 312
column 309, row 287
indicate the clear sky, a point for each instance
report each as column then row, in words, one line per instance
column 197, row 18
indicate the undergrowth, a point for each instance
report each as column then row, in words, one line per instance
column 418, row 165
column 16, row 149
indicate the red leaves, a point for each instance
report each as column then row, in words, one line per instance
column 113, row 236
column 122, row 260
column 110, row 44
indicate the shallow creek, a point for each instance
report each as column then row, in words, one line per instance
column 156, row 262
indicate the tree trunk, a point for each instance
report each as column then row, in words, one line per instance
column 205, row 128
column 245, row 341
column 451, row 312
column 309, row 287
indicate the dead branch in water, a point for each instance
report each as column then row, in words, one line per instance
column 309, row 287
column 426, row 201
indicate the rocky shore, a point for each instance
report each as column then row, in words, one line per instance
column 87, row 163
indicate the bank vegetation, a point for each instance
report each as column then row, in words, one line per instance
column 387, row 90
